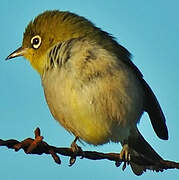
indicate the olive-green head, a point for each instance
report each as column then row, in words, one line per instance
column 46, row 30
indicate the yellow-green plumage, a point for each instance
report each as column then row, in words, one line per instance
column 57, row 26
column 91, row 86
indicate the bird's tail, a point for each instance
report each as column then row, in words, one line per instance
column 142, row 151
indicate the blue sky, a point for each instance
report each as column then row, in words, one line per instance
column 148, row 29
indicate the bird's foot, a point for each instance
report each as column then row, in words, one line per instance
column 75, row 149
column 125, row 155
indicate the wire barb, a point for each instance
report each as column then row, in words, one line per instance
column 38, row 146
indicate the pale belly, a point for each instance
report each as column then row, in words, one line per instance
column 96, row 113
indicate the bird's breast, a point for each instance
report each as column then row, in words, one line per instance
column 97, row 113
column 93, row 94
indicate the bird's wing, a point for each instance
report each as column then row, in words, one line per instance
column 152, row 107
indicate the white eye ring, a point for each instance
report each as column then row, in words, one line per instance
column 36, row 41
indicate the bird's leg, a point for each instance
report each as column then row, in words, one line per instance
column 75, row 148
column 125, row 155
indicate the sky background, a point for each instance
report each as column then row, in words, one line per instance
column 148, row 29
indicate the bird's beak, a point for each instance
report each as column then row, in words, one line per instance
column 18, row 52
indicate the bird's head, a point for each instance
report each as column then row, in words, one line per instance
column 45, row 31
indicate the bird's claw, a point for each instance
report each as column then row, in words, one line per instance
column 125, row 156
column 75, row 149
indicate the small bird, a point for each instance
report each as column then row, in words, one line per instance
column 91, row 86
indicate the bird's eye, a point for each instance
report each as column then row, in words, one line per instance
column 36, row 42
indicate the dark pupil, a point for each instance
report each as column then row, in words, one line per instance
column 35, row 41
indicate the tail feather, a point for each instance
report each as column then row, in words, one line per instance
column 137, row 169
column 140, row 148
column 152, row 107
